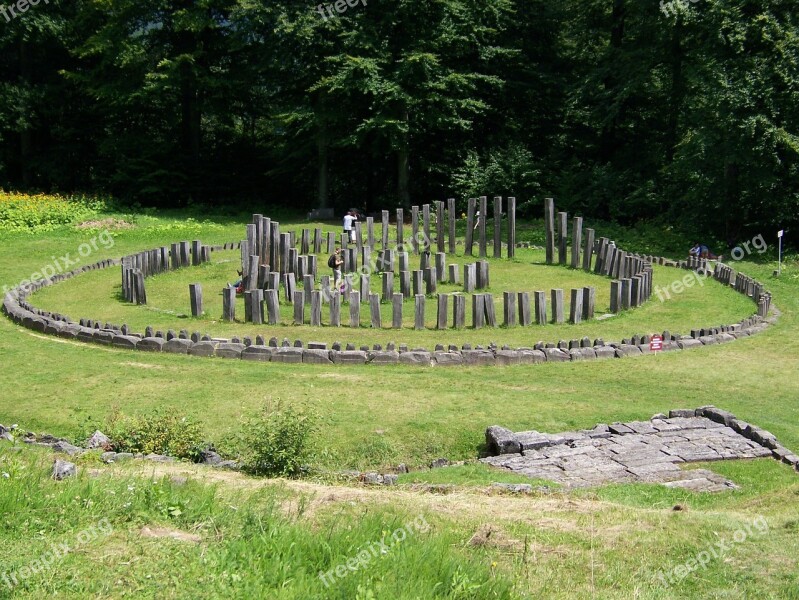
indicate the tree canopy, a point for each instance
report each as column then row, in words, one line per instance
column 621, row 109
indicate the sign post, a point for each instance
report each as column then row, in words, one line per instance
column 656, row 343
column 780, row 233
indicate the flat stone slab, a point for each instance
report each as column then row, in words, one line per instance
column 638, row 451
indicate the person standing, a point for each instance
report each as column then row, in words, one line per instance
column 349, row 227
column 334, row 262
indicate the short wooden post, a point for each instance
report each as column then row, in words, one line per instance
column 509, row 309
column 229, row 304
column 396, row 311
column 540, row 307
column 442, row 313
column 588, row 253
column 557, row 306
column 374, row 305
column 458, row 311
column 563, row 232
column 335, row 309
column 478, row 311
column 316, row 308
column 524, row 309
column 589, row 298
column 418, row 314
column 355, row 309
column 299, row 308
column 576, row 306
column 405, row 283
column 196, row 298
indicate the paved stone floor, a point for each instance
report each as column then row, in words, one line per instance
column 640, row 451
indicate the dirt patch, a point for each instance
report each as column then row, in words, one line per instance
column 140, row 365
column 105, row 224
column 173, row 534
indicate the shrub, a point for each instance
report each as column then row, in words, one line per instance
column 158, row 432
column 277, row 440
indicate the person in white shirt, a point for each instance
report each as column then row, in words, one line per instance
column 349, row 228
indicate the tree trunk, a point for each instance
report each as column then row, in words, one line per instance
column 321, row 145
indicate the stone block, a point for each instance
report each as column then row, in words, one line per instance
column 288, row 355
column 349, row 357
column 478, row 357
column 151, row 344
column 203, row 348
column 258, row 353
column 177, row 346
column 316, row 356
column 380, row 357
column 415, row 357
column 447, row 359
column 229, row 350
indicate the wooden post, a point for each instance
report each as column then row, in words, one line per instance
column 426, row 223
column 431, row 281
column 257, row 310
column 316, row 308
column 400, row 238
column 441, row 321
column 469, row 278
column 589, row 249
column 615, row 296
column 388, row 284
column 482, row 227
column 305, row 241
column 299, row 308
column 511, row 227
column 374, row 305
column 563, row 242
column 451, row 217
column 458, row 311
column 272, row 307
column 365, row 288
column 229, row 304
column 509, row 306
column 589, row 298
column 196, row 298
column 491, row 317
column 557, row 306
column 468, row 250
column 483, row 280
column 440, row 240
column 540, row 307
column 335, row 309
column 415, row 229
column 453, row 274
column 576, row 306
column 524, row 309
column 355, row 309
column 370, row 232
column 549, row 229
column 418, row 280
column 478, row 311
column 577, row 240
column 626, row 290
column 384, row 215
column 331, row 242
column 248, row 307
column 418, row 314
column 498, row 227
column 405, row 284
column 396, row 312
column 307, row 287
column 441, row 266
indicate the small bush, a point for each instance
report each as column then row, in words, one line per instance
column 158, row 432
column 276, row 442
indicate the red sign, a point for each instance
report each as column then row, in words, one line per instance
column 656, row 343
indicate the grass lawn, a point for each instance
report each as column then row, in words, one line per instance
column 608, row 542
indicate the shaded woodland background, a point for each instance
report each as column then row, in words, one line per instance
column 619, row 111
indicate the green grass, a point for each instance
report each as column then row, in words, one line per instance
column 609, row 542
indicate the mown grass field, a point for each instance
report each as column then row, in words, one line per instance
column 605, row 543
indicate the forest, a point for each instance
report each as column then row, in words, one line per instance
column 677, row 112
